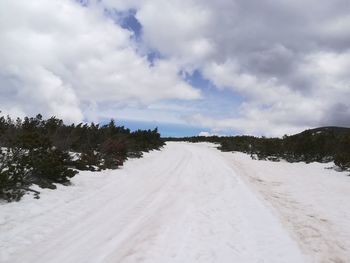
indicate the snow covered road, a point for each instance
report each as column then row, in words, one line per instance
column 312, row 201
column 182, row 204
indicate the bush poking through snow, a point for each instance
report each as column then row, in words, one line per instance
column 36, row 151
column 20, row 169
column 13, row 174
column 317, row 145
column 342, row 158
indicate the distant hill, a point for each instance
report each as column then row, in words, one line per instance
column 337, row 131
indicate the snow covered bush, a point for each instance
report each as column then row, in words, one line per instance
column 20, row 168
column 89, row 160
column 49, row 166
column 38, row 151
column 13, row 174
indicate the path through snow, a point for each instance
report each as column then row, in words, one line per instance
column 182, row 204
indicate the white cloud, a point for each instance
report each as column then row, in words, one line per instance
column 56, row 57
column 176, row 29
column 208, row 134
column 205, row 134
column 290, row 66
column 248, row 126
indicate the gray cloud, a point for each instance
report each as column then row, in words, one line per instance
column 337, row 115
column 59, row 58
column 289, row 60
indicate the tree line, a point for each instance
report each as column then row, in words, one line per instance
column 316, row 145
column 45, row 152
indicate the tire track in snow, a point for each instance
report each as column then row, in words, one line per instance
column 183, row 204
column 300, row 212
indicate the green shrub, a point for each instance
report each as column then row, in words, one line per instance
column 13, row 174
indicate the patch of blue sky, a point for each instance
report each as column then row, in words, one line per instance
column 153, row 56
column 168, row 116
column 83, row 2
column 217, row 102
column 165, row 129
column 173, row 117
column 127, row 20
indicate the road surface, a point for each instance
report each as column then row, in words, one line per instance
column 181, row 204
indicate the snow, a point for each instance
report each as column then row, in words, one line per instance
column 186, row 203
column 311, row 200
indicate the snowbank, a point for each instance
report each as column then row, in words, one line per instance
column 312, row 200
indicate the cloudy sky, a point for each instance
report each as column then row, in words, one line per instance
column 222, row 67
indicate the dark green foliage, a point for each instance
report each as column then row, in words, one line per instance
column 342, row 157
column 49, row 166
column 146, row 140
column 13, row 174
column 38, row 151
column 89, row 160
column 114, row 153
column 317, row 145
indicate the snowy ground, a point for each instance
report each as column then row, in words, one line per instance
column 186, row 203
column 311, row 200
